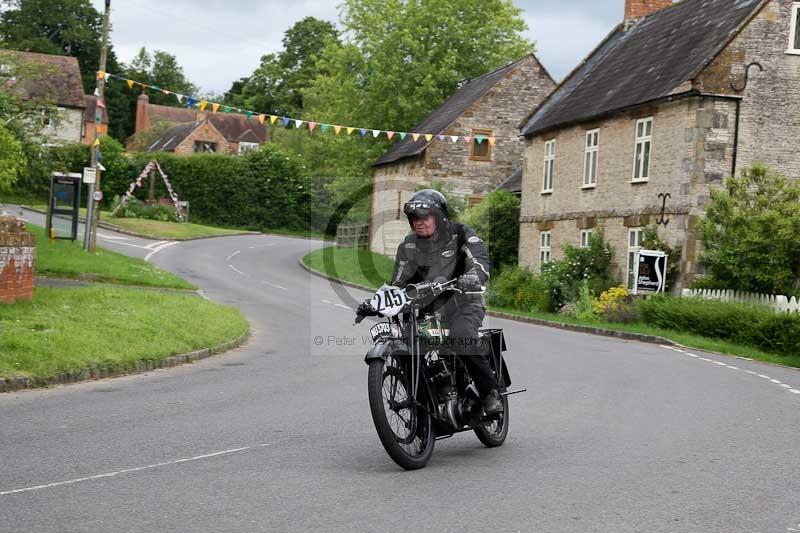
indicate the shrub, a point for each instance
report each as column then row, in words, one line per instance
column 750, row 325
column 511, row 288
column 616, row 305
column 584, row 301
column 496, row 220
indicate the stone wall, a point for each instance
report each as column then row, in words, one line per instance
column 68, row 129
column 206, row 133
column 500, row 110
column 17, row 258
column 692, row 149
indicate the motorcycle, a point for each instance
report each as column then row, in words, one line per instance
column 419, row 390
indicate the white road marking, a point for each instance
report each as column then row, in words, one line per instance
column 154, row 245
column 794, row 391
column 344, row 307
column 239, row 271
column 775, row 381
column 763, row 376
column 130, row 470
column 327, row 301
column 158, row 249
column 234, row 254
column 139, row 246
column 720, row 363
column 112, row 237
column 273, row 285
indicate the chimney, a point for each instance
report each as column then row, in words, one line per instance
column 142, row 120
column 636, row 9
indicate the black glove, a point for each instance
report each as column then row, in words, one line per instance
column 365, row 309
column 469, row 282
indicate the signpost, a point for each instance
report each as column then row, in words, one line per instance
column 62, row 211
column 651, row 272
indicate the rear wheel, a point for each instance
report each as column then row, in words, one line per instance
column 494, row 433
column 404, row 428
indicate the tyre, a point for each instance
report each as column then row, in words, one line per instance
column 405, row 430
column 495, row 433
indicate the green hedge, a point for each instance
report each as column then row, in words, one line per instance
column 755, row 326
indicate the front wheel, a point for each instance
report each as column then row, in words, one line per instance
column 404, row 428
column 495, row 433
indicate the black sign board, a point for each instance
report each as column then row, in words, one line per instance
column 62, row 212
column 651, row 272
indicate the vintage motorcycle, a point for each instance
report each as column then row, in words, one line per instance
column 419, row 390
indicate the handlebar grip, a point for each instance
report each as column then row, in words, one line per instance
column 359, row 319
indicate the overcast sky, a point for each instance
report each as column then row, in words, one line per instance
column 219, row 41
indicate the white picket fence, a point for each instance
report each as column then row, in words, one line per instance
column 779, row 303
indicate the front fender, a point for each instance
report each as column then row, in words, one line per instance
column 384, row 347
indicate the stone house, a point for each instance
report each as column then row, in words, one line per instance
column 240, row 133
column 663, row 106
column 56, row 80
column 191, row 137
column 492, row 106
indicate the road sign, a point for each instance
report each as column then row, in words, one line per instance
column 651, row 272
column 97, row 196
column 89, row 175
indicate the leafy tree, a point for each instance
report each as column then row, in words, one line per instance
column 12, row 159
column 496, row 220
column 404, row 58
column 750, row 230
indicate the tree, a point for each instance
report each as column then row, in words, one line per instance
column 496, row 221
column 278, row 84
column 750, row 230
column 404, row 58
column 12, row 159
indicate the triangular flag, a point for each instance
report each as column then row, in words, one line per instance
column 156, row 87
column 190, row 102
column 440, row 137
column 249, row 114
column 324, row 128
column 467, row 139
column 403, row 135
column 97, row 91
column 454, row 138
column 214, row 107
column 390, row 134
column 101, row 74
column 492, row 140
column 165, row 91
column 375, row 133
column 272, row 119
column 311, row 126
column 285, row 122
column 96, row 143
column 203, row 105
column 262, row 118
column 101, row 103
column 106, row 77
column 479, row 139
column 130, row 84
column 180, row 98
column 337, row 129
column 350, row 130
column 362, row 131
column 428, row 137
column 415, row 136
column 226, row 109
column 298, row 123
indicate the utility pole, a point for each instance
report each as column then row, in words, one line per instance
column 93, row 212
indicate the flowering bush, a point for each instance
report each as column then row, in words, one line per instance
column 616, row 305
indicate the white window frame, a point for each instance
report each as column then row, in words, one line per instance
column 794, row 45
column 548, row 170
column 645, row 140
column 590, row 159
column 635, row 236
column 245, row 147
column 545, row 248
column 586, row 234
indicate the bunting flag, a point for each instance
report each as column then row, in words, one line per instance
column 96, row 143
column 101, row 103
column 203, row 104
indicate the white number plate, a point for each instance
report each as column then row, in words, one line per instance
column 389, row 300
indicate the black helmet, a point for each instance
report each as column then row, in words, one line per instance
column 424, row 203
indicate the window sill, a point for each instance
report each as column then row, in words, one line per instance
column 547, row 193
column 635, row 182
column 589, row 187
column 793, row 52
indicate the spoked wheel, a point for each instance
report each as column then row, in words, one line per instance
column 404, row 428
column 494, row 433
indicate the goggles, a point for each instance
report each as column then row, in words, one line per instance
column 418, row 209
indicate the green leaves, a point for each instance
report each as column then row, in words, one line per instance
column 750, row 231
column 12, row 159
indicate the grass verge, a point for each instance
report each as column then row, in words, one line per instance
column 47, row 336
column 345, row 265
column 66, row 259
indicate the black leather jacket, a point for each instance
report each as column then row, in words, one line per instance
column 453, row 251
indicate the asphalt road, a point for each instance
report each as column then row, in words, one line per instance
column 612, row 436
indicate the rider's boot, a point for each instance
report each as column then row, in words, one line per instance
column 492, row 404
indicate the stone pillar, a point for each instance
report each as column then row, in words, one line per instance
column 17, row 258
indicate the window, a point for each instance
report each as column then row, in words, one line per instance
column 634, row 245
column 644, row 142
column 586, row 235
column 544, row 248
column 794, row 32
column 481, row 151
column 205, row 146
column 590, row 158
column 245, row 147
column 549, row 165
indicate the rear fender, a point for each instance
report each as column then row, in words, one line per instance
column 385, row 347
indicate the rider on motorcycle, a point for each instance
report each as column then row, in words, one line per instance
column 440, row 250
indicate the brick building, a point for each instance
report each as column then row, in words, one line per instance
column 191, row 137
column 90, row 126
column 491, row 105
column 240, row 133
column 661, row 106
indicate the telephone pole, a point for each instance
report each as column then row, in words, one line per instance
column 93, row 211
